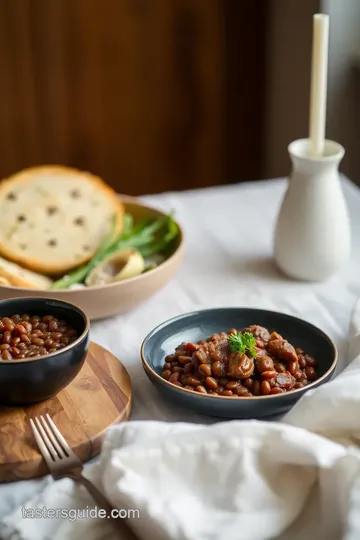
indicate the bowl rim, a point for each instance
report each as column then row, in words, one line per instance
column 130, row 200
column 147, row 367
column 60, row 351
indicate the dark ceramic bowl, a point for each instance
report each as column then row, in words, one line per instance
column 35, row 379
column 201, row 324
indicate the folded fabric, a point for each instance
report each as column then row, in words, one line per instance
column 298, row 479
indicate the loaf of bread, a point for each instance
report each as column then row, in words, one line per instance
column 54, row 218
column 12, row 274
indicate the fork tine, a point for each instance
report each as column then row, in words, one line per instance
column 46, row 439
column 42, row 446
column 59, row 437
column 57, row 446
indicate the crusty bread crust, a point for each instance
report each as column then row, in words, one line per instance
column 17, row 276
column 16, row 281
column 37, row 263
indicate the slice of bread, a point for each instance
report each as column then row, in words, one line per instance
column 14, row 275
column 54, row 218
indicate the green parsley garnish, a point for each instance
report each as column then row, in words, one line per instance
column 242, row 342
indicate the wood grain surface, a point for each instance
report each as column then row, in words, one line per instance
column 152, row 95
column 99, row 396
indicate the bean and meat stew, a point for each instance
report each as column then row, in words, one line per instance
column 29, row 336
column 251, row 362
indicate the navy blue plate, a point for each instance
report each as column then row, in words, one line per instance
column 201, row 324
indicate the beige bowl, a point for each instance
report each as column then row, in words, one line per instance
column 115, row 298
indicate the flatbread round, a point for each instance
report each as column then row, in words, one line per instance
column 54, row 218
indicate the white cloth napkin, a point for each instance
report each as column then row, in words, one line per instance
column 294, row 480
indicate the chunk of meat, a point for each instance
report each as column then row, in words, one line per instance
column 275, row 335
column 219, row 351
column 211, row 351
column 282, row 349
column 285, row 380
column 239, row 366
column 259, row 332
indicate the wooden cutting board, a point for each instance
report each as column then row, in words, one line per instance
column 99, row 396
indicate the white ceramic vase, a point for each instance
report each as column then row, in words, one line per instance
column 312, row 238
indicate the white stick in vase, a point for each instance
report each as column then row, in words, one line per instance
column 319, row 84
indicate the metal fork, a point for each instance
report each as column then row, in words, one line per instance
column 63, row 463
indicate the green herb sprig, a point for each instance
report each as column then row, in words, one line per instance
column 149, row 236
column 242, row 342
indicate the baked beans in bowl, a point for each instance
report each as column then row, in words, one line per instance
column 43, row 345
column 260, row 367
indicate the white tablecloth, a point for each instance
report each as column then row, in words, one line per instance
column 228, row 262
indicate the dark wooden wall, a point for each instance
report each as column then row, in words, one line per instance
column 152, row 95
